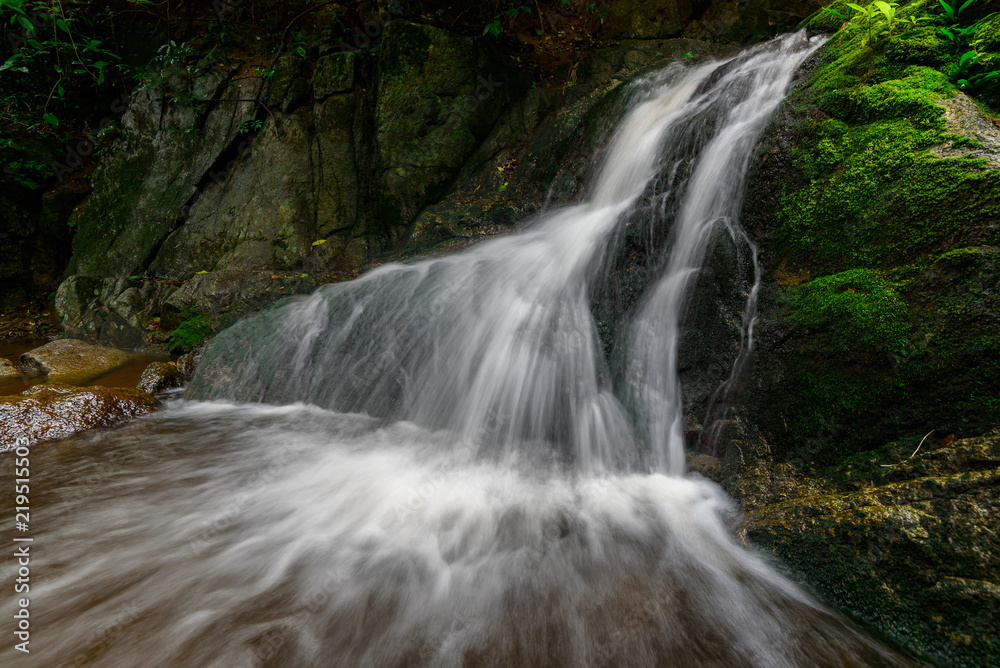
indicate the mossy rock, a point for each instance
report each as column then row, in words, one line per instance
column 879, row 311
column 913, row 552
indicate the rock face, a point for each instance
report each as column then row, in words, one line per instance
column 314, row 184
column 70, row 360
column 879, row 322
column 160, row 376
column 143, row 189
column 52, row 411
column 879, row 310
column 913, row 549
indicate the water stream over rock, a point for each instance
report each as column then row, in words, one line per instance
column 448, row 471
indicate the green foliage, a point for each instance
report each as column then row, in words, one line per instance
column 247, row 127
column 952, row 11
column 54, row 48
column 495, row 27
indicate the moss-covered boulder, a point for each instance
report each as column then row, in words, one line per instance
column 907, row 543
column 881, row 247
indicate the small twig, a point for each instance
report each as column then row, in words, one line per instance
column 914, row 452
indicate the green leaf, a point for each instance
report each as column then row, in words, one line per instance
column 888, row 10
column 51, row 120
column 25, row 23
column 949, row 12
column 96, row 291
column 858, row 8
column 62, row 26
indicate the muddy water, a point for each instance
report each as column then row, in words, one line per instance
column 215, row 534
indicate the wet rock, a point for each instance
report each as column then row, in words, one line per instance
column 8, row 370
column 706, row 465
column 52, row 411
column 964, row 117
column 70, row 360
column 914, row 550
column 160, row 376
column 188, row 362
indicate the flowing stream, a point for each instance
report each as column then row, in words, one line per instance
column 436, row 465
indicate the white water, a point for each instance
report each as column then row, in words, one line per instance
column 469, row 486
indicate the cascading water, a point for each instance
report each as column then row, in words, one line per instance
column 468, row 482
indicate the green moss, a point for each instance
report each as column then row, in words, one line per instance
column 877, row 195
column 899, row 329
column 193, row 331
column 859, row 309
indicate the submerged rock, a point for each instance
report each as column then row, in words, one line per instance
column 914, row 550
column 52, row 411
column 70, row 360
column 160, row 376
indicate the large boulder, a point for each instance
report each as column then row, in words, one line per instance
column 879, row 312
column 51, row 411
column 71, row 361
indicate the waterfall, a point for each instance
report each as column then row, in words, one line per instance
column 499, row 344
column 437, row 464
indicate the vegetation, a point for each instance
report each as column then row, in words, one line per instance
column 890, row 217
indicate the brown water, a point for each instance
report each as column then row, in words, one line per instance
column 124, row 376
column 214, row 534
